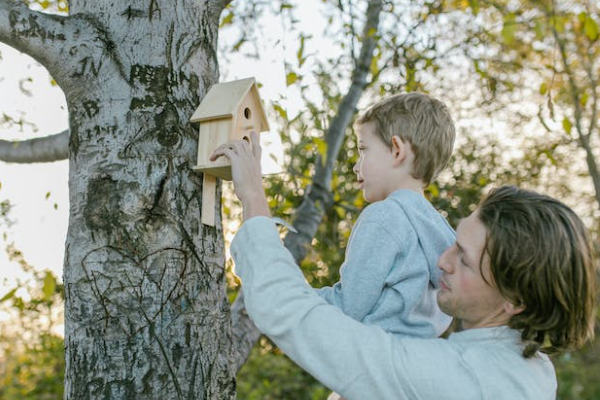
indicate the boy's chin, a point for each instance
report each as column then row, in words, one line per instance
column 369, row 198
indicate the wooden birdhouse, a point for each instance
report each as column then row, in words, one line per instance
column 229, row 111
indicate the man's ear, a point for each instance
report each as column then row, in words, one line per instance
column 513, row 309
column 399, row 150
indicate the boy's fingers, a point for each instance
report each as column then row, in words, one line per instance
column 235, row 147
column 228, row 152
column 223, row 150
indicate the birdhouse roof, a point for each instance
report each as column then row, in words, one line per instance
column 224, row 99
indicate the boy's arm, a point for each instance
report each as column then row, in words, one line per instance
column 329, row 293
column 371, row 254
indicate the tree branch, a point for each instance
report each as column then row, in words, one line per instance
column 318, row 197
column 575, row 93
column 245, row 333
column 42, row 36
column 219, row 5
column 45, row 149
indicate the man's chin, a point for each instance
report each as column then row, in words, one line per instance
column 444, row 304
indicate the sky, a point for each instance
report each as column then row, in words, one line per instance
column 39, row 192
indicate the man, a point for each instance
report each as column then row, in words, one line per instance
column 520, row 278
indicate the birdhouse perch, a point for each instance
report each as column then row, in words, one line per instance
column 229, row 111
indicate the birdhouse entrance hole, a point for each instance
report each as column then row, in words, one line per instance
column 247, row 113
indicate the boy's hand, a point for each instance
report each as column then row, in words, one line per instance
column 246, row 173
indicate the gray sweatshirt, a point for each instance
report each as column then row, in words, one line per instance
column 390, row 275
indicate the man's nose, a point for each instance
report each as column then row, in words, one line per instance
column 445, row 261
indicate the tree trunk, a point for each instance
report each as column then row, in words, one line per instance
column 146, row 312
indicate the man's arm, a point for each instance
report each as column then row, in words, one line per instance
column 353, row 359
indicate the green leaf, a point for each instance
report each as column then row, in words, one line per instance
column 543, row 88
column 540, row 29
column 558, row 23
column 567, row 125
column 322, row 149
column 239, row 44
column 291, row 78
column 474, row 4
column 227, row 20
column 47, row 195
column 509, row 28
column 584, row 99
column 434, row 190
column 374, row 67
column 281, row 111
column 300, row 53
column 9, row 295
column 49, row 286
column 591, row 28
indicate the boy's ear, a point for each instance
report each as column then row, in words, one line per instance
column 399, row 150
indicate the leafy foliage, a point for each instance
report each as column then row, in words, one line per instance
column 32, row 352
column 535, row 156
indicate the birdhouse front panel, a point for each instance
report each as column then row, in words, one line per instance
column 248, row 116
column 213, row 134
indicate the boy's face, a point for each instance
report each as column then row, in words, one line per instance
column 374, row 165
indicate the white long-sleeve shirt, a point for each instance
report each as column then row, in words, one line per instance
column 361, row 361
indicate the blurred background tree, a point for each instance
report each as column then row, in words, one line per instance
column 521, row 79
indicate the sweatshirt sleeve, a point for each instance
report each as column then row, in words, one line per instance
column 372, row 252
column 356, row 360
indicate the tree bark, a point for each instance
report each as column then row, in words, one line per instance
column 146, row 311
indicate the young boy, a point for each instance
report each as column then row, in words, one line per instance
column 390, row 275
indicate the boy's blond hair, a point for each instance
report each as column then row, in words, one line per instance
column 420, row 120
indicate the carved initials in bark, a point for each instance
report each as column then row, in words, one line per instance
column 137, row 301
column 152, row 286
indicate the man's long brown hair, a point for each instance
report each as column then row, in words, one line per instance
column 542, row 258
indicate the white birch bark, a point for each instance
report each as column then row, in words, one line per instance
column 146, row 313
